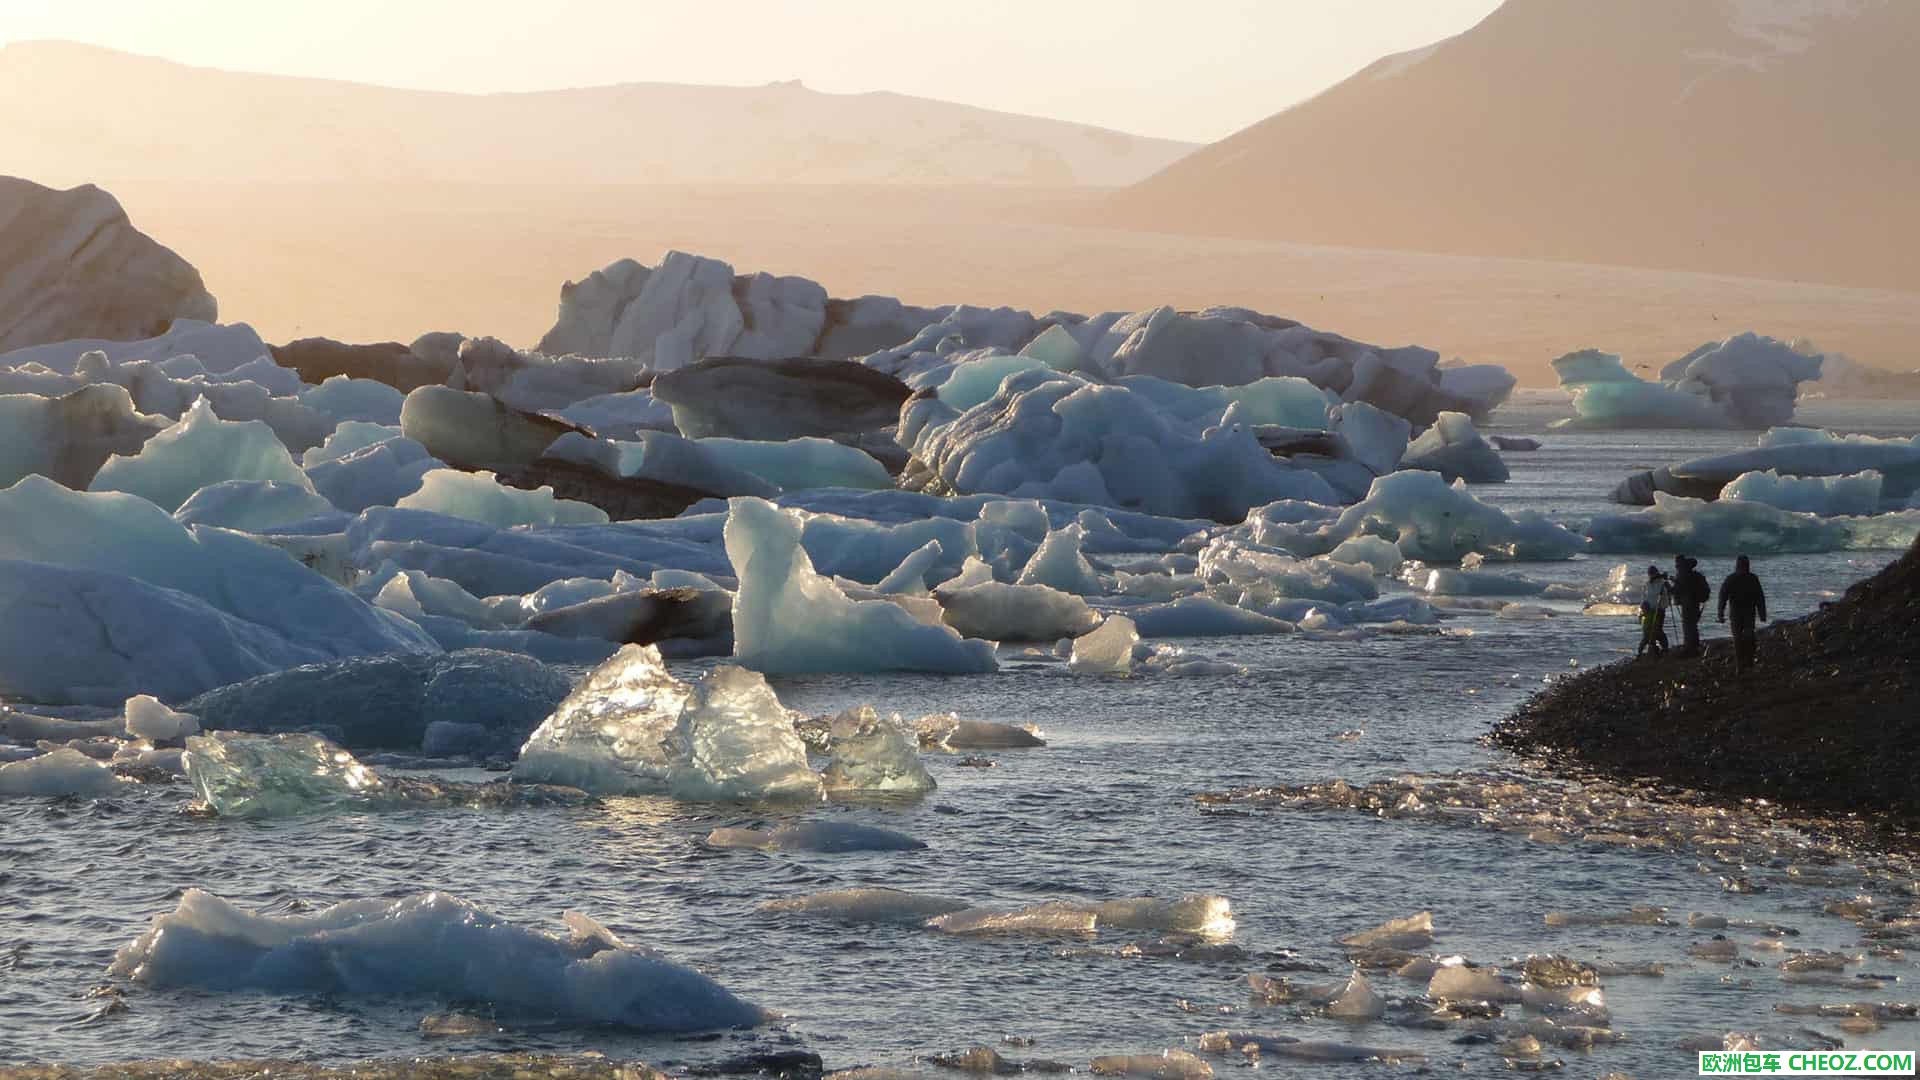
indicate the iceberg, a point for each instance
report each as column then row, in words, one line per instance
column 734, row 741
column 1733, row 527
column 1452, row 448
column 609, row 735
column 998, row 612
column 63, row 771
column 1203, row 616
column 377, row 475
column 255, row 506
column 68, row 438
column 349, row 399
column 349, row 436
column 1855, row 495
column 1059, row 564
column 432, row 945
column 147, row 718
column 1107, row 650
column 1806, row 454
column 474, row 701
column 1045, row 434
column 478, row 496
column 789, row 619
column 1431, row 520
column 1052, row 917
column 199, row 450
column 255, row 776
column 1746, row 381
column 476, row 430
column 800, row 463
column 873, row 754
column 216, row 347
column 777, row 399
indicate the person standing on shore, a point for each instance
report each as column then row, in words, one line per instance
column 1743, row 593
column 1690, row 591
column 1653, row 614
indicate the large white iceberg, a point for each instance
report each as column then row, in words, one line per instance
column 430, row 945
column 201, row 449
column 1746, row 381
column 787, row 618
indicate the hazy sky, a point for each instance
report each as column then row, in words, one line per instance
column 1189, row 69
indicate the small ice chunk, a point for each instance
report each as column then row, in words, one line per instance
column 872, row 753
column 252, row 776
column 1060, row 565
column 1383, row 556
column 824, row 836
column 867, row 906
column 435, row 945
column 1106, row 651
column 477, row 496
column 1406, row 935
column 1463, row 983
column 64, row 771
column 146, row 718
column 1357, row 1001
column 1052, row 917
column 1000, row 612
column 946, row 731
column 1208, row 916
column 609, row 735
column 734, row 741
column 1174, row 1064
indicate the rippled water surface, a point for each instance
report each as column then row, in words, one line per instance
column 1105, row 810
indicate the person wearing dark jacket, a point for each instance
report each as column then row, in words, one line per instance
column 1741, row 591
column 1691, row 592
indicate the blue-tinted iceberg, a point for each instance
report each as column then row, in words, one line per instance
column 1746, row 381
column 1856, row 495
column 201, row 449
column 787, row 618
column 477, row 496
column 1452, row 448
column 429, row 945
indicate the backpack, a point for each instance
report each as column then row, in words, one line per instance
column 1696, row 589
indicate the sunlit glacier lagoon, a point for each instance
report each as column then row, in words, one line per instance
column 1106, row 810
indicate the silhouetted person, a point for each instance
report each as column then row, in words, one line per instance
column 1741, row 591
column 1653, row 613
column 1691, row 592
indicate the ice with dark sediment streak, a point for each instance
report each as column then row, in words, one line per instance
column 608, row 736
column 64, row 771
column 432, row 945
column 822, row 836
column 873, row 754
column 734, row 741
column 867, row 906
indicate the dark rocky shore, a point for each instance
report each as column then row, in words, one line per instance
column 1829, row 721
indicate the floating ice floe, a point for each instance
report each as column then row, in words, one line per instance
column 945, row 731
column 1426, row 518
column 257, row 506
column 998, row 612
column 787, row 618
column 1786, row 452
column 872, row 754
column 1854, row 495
column 1107, row 650
column 199, row 450
column 1746, row 381
column 476, row 702
column 734, row 741
column 609, row 735
column 146, row 717
column 823, row 836
column 1452, row 448
column 378, row 474
column 777, row 399
column 253, row 776
column 348, row 399
column 63, row 771
column 433, row 945
column 1731, row 527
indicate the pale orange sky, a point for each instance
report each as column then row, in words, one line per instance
column 1194, row 69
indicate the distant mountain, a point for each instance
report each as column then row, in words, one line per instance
column 74, row 113
column 1772, row 138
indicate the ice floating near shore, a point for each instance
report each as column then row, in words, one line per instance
column 1452, row 448
column 1732, row 527
column 830, row 837
column 609, row 735
column 1854, row 495
column 1787, row 452
column 734, row 741
column 945, row 731
column 433, row 945
column 252, row 776
column 1000, row 612
column 1107, row 650
column 1049, row 918
column 1173, row 1064
column 788, row 619
column 1746, row 381
column 64, row 771
column 873, row 754
column 867, row 906
column 199, row 450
